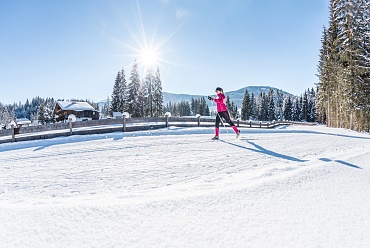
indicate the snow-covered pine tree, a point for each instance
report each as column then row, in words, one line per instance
column 147, row 92
column 271, row 106
column 49, row 108
column 41, row 114
column 116, row 96
column 123, row 92
column 143, row 100
column 262, row 108
column 254, row 108
column 279, row 105
column 305, row 113
column 133, row 92
column 288, row 109
column 322, row 85
column 296, row 110
column 231, row 106
column 195, row 106
column 344, row 85
column 158, row 95
column 120, row 94
column 175, row 110
column 246, row 110
column 361, row 96
column 27, row 109
column 185, row 108
column 207, row 112
column 203, row 107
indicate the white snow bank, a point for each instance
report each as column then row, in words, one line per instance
column 289, row 187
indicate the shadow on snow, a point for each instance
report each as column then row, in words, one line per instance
column 260, row 149
column 340, row 162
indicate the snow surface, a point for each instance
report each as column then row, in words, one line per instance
column 295, row 186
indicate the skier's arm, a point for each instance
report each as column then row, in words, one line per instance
column 219, row 98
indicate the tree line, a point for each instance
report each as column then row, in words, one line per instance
column 274, row 105
column 186, row 108
column 343, row 97
column 266, row 106
column 37, row 109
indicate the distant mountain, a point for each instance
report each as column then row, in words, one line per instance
column 172, row 97
column 235, row 96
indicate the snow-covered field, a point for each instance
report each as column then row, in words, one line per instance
column 289, row 187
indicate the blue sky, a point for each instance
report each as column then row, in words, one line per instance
column 74, row 49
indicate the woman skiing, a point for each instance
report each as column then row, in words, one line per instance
column 222, row 112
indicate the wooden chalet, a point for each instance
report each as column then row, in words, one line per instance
column 82, row 110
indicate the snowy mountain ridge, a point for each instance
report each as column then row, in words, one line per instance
column 235, row 96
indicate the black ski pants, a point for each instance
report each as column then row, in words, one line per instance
column 224, row 115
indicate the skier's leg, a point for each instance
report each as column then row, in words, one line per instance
column 217, row 127
column 227, row 118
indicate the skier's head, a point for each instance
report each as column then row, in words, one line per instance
column 219, row 90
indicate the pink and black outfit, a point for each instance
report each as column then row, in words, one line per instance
column 223, row 113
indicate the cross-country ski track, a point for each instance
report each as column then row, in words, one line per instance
column 294, row 186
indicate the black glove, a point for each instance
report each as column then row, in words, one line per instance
column 210, row 98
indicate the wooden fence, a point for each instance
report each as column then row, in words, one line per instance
column 121, row 125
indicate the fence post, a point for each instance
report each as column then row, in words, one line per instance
column 268, row 125
column 250, row 124
column 13, row 132
column 166, row 120
column 70, row 126
column 260, row 124
column 237, row 122
column 124, row 123
column 199, row 121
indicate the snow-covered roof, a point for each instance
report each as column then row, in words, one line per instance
column 75, row 106
column 23, row 121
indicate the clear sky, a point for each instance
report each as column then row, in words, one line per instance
column 74, row 48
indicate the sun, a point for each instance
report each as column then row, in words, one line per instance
column 148, row 57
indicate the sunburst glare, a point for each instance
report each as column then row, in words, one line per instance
column 148, row 57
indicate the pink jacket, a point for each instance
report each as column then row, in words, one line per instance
column 221, row 102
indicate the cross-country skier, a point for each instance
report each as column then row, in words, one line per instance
column 222, row 112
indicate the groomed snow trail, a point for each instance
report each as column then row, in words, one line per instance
column 289, row 187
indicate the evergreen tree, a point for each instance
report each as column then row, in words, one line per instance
column 271, row 106
column 186, row 109
column 296, row 110
column 41, row 114
column 231, row 106
column 288, row 109
column 5, row 117
column 120, row 94
column 195, row 106
column 158, row 96
column 246, row 110
column 133, row 92
column 143, row 100
column 279, row 105
column 305, row 110
column 203, row 107
column 344, row 68
column 116, row 104
column 124, row 94
column 147, row 94
column 254, row 108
